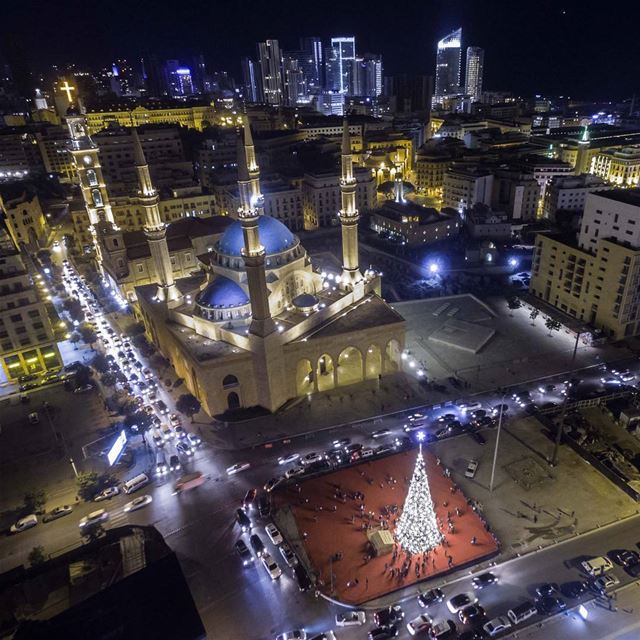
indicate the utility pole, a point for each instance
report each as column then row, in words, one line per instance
column 563, row 413
column 495, row 451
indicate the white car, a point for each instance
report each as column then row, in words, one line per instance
column 460, row 601
column 237, row 467
column 107, row 494
column 95, row 517
column 421, row 624
column 351, row 618
column 24, row 523
column 296, row 634
column 293, row 472
column 601, row 584
column 472, row 467
column 138, row 503
column 274, row 535
column 497, row 625
column 312, row 457
column 292, row 457
column 194, row 439
column 380, row 433
column 271, row 566
column 469, row 406
column 287, row 555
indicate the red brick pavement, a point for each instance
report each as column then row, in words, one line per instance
column 333, row 526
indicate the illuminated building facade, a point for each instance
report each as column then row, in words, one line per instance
column 345, row 55
column 448, row 66
column 620, row 167
column 474, row 73
column 270, row 61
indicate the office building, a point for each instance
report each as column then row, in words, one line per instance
column 27, row 342
column 466, row 185
column 270, row 61
column 448, row 66
column 597, row 278
column 620, row 167
column 311, row 62
column 474, row 73
column 345, row 48
column 251, row 80
column 569, row 193
column 179, row 79
column 20, row 206
column 295, row 88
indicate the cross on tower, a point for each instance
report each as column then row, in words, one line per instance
column 67, row 88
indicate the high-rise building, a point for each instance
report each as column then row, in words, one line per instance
column 295, row 88
column 154, row 77
column 332, row 69
column 179, row 79
column 270, row 61
column 448, row 65
column 346, row 53
column 473, row 75
column 250, row 80
column 310, row 61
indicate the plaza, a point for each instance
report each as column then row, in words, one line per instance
column 330, row 516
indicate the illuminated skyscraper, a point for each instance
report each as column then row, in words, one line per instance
column 251, row 80
column 473, row 76
column 270, row 60
column 448, row 65
column 310, row 61
column 346, row 54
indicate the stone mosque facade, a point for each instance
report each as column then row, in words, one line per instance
column 257, row 325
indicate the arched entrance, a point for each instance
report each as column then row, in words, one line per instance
column 325, row 373
column 233, row 401
column 392, row 357
column 304, row 377
column 373, row 361
column 349, row 367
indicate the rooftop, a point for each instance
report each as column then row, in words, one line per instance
column 403, row 211
column 626, row 196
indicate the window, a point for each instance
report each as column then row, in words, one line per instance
column 140, row 268
column 16, row 318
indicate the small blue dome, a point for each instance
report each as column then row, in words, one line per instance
column 222, row 293
column 305, row 301
column 274, row 237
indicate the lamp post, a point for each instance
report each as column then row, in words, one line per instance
column 495, row 451
column 563, row 412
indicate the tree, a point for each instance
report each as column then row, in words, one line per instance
column 90, row 483
column 74, row 309
column 36, row 556
column 108, row 379
column 533, row 315
column 141, row 342
column 513, row 303
column 74, row 339
column 135, row 329
column 34, row 500
column 158, row 361
column 188, row 405
column 88, row 334
column 100, row 363
column 552, row 325
column 84, row 376
column 417, row 529
column 138, row 422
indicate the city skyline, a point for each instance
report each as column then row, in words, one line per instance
column 510, row 38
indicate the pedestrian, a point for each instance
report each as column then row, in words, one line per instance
column 474, row 540
column 366, row 584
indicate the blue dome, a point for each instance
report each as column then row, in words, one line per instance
column 305, row 300
column 222, row 293
column 274, row 237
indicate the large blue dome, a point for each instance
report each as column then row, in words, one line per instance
column 222, row 293
column 274, row 237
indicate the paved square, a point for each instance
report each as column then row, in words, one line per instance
column 333, row 529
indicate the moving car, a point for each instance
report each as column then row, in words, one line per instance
column 460, row 601
column 291, row 457
column 271, row 566
column 472, row 614
column 194, row 439
column 293, row 472
column 484, row 580
column 24, row 523
column 249, row 497
column 388, row 616
column 421, row 624
column 161, row 407
column 138, row 503
column 237, row 467
column 351, row 618
column 58, row 512
column 381, row 433
column 183, row 447
column 243, row 520
column 174, row 463
column 256, row 544
column 546, row 589
column 497, row 625
column 84, row 388
column 274, row 535
column 244, row 553
column 467, row 407
column 312, row 457
column 107, row 494
column 93, row 519
column 428, row 598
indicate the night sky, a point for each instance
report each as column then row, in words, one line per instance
column 583, row 49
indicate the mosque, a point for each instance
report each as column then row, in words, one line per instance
column 257, row 325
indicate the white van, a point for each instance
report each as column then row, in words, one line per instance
column 136, row 483
column 366, row 452
column 597, row 566
column 522, row 612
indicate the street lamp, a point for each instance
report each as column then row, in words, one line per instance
column 433, row 267
column 513, row 262
column 495, row 451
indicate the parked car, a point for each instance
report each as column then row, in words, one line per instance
column 573, row 589
column 271, row 566
column 420, row 624
column 351, row 618
column 602, row 584
column 244, row 553
column 58, row 512
column 460, row 601
column 443, row 630
column 243, row 520
column 388, row 616
column 302, row 578
column 256, row 544
column 472, row 614
column 430, row 597
column 549, row 605
column 497, row 625
column 288, row 555
column 274, row 535
column 107, row 494
column 384, row 632
column 296, row 634
column 24, row 523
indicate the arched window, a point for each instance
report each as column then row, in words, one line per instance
column 92, row 178
column 229, row 381
column 233, row 401
column 97, row 197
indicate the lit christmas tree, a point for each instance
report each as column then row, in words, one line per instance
column 417, row 529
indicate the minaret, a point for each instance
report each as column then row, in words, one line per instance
column 349, row 215
column 251, row 204
column 155, row 229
